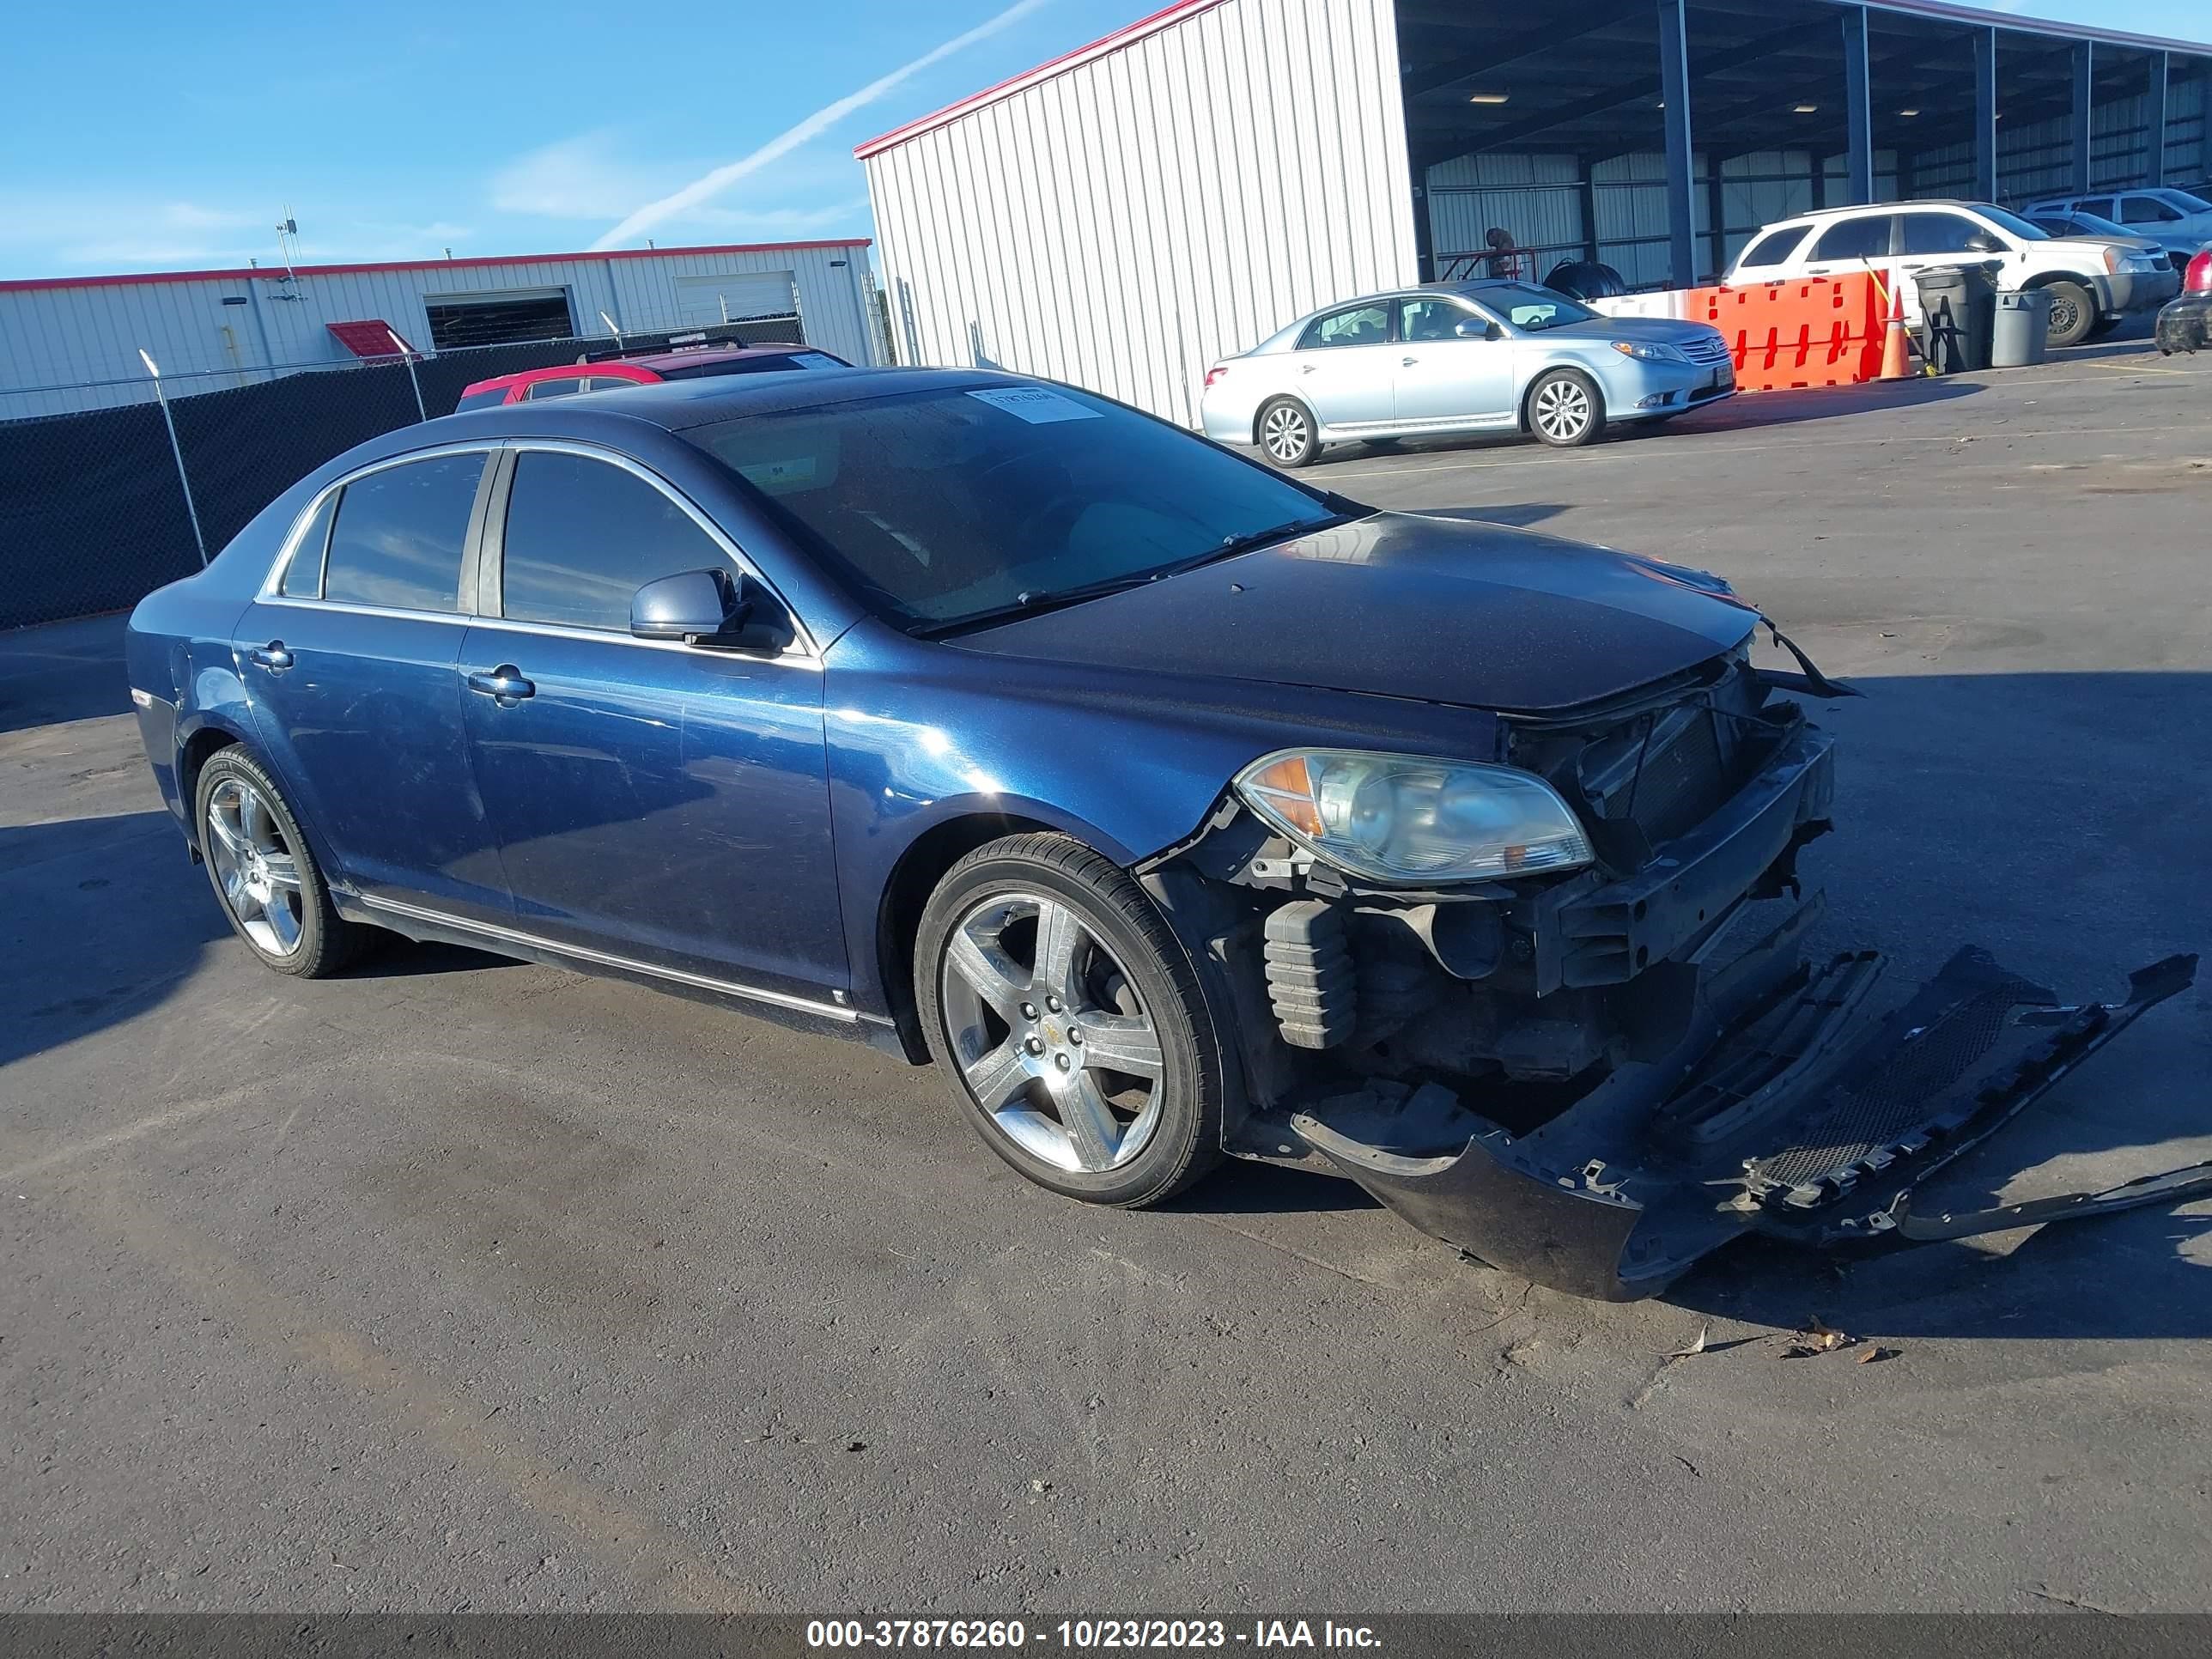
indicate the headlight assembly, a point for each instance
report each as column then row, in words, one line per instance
column 1400, row 818
column 1647, row 351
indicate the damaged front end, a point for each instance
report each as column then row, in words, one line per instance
column 1587, row 1080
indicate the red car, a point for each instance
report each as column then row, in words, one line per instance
column 565, row 379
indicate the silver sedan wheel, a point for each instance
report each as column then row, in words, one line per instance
column 1284, row 432
column 1049, row 1034
column 1563, row 409
column 257, row 870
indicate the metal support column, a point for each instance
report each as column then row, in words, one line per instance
column 1681, row 165
column 2082, row 118
column 2154, row 121
column 1586, row 172
column 1985, row 115
column 1716, row 212
column 1859, row 108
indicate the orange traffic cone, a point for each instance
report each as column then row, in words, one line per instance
column 1896, row 363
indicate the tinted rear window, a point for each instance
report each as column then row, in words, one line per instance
column 1855, row 239
column 399, row 534
column 1772, row 249
column 483, row 399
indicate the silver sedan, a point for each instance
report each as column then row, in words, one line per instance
column 1464, row 357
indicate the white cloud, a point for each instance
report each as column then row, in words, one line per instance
column 709, row 185
column 579, row 177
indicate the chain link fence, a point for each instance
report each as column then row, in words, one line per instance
column 98, row 509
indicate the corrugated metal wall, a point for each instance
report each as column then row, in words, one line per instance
column 2037, row 158
column 67, row 336
column 1123, row 224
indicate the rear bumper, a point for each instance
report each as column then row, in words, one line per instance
column 1781, row 1109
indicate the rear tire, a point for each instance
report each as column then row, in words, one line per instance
column 1028, row 1033
column 2073, row 314
column 1288, row 433
column 1566, row 410
column 264, row 877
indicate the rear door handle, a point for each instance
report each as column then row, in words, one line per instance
column 272, row 655
column 1407, row 363
column 504, row 685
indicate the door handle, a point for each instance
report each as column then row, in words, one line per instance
column 503, row 684
column 1308, row 369
column 1407, row 363
column 272, row 656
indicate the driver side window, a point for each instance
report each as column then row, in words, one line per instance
column 582, row 536
column 1355, row 325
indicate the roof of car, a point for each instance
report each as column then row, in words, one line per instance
column 709, row 354
column 675, row 406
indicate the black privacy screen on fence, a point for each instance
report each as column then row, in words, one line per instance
column 92, row 513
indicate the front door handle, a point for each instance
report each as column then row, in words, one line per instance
column 272, row 655
column 503, row 684
column 1407, row 363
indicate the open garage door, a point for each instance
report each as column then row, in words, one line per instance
column 504, row 317
column 736, row 295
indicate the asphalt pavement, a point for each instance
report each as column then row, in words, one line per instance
column 457, row 1283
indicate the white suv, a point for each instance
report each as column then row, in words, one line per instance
column 2178, row 222
column 2093, row 284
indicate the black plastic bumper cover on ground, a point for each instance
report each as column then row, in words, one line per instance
column 1822, row 1132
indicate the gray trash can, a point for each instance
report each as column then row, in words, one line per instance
column 2023, row 326
column 1958, row 303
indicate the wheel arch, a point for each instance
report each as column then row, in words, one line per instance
column 206, row 740
column 912, row 879
column 1557, row 366
column 1260, row 409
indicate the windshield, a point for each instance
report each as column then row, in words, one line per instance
column 940, row 506
column 1531, row 308
column 2088, row 224
column 2184, row 200
column 2006, row 219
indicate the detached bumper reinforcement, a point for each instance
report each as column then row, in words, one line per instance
column 1802, row 1121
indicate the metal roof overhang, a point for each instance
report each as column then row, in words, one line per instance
column 1766, row 75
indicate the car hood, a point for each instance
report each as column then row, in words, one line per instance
column 1406, row 606
column 1660, row 330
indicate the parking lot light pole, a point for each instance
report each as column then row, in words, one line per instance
column 177, row 449
column 1681, row 163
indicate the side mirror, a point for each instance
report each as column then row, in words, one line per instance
column 719, row 610
column 1474, row 329
column 1982, row 242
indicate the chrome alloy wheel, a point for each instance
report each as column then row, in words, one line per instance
column 257, row 872
column 1563, row 409
column 1283, row 433
column 1049, row 1034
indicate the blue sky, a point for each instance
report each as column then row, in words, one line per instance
column 139, row 135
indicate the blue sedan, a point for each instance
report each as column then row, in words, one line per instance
column 1173, row 808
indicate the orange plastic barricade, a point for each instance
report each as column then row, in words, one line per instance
column 1822, row 331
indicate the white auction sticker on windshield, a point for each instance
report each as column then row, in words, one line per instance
column 1034, row 404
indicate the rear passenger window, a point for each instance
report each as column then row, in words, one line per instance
column 1772, row 249
column 1855, row 239
column 482, row 399
column 561, row 387
column 303, row 573
column 398, row 535
column 582, row 536
column 1358, row 326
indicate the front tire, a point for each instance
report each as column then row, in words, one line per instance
column 1566, row 410
column 1288, row 433
column 264, row 877
column 2073, row 314
column 1069, row 1022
